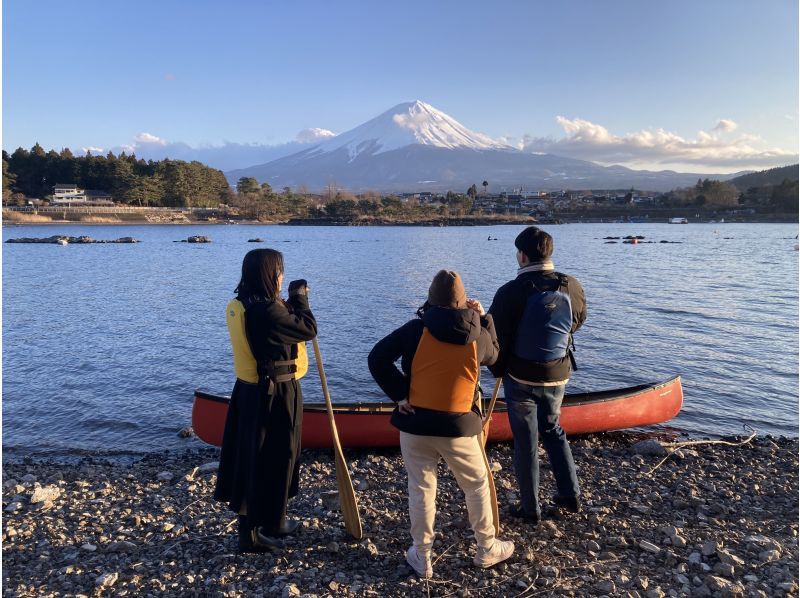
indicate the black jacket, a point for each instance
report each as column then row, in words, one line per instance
column 507, row 309
column 457, row 326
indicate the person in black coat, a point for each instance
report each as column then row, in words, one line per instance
column 535, row 315
column 259, row 465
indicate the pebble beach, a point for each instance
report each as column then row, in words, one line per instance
column 658, row 519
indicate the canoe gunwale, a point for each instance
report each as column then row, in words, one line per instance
column 570, row 400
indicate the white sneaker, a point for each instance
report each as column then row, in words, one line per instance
column 488, row 557
column 421, row 563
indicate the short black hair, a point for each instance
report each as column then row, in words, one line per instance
column 534, row 243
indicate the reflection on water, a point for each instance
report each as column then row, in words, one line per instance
column 104, row 344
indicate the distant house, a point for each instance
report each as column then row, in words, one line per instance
column 68, row 193
column 71, row 194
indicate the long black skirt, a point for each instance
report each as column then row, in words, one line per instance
column 260, row 466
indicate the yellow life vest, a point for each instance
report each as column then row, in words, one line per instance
column 244, row 364
column 444, row 375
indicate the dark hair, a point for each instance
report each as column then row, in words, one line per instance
column 535, row 243
column 423, row 308
column 260, row 271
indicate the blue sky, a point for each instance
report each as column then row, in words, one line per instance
column 712, row 84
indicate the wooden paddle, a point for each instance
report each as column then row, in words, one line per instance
column 488, row 419
column 347, row 494
column 482, row 443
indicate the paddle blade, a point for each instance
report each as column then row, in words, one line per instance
column 347, row 497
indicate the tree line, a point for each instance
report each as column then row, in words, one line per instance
column 706, row 193
column 259, row 201
column 128, row 179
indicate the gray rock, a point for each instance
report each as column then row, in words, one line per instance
column 606, row 586
column 106, row 580
column 290, row 589
column 210, row 467
column 165, row 476
column 45, row 494
column 677, row 541
column 89, row 547
column 768, row 556
column 121, row 546
column 28, row 478
column 649, row 547
column 723, row 586
column 710, row 548
column 655, row 593
column 592, row 546
column 360, row 485
column 650, row 447
column 669, row 530
column 13, row 506
column 724, row 569
column 187, row 432
column 728, row 557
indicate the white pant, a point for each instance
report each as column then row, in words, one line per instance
column 465, row 459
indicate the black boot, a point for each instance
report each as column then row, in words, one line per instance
column 570, row 503
column 251, row 540
column 287, row 528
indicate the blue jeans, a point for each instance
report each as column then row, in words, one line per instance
column 534, row 410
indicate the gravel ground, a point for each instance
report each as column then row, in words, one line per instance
column 711, row 520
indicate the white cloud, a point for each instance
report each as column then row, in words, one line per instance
column 725, row 125
column 314, row 134
column 410, row 121
column 659, row 148
column 148, row 138
column 91, row 148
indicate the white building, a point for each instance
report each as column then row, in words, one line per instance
column 70, row 194
column 63, row 193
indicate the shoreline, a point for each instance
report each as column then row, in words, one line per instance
column 712, row 519
column 7, row 224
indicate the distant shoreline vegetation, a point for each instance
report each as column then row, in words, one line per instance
column 30, row 178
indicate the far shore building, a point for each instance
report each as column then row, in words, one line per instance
column 68, row 194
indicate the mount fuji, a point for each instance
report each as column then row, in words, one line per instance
column 415, row 147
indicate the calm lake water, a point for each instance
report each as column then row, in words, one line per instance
column 103, row 345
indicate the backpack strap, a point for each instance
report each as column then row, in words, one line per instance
column 563, row 284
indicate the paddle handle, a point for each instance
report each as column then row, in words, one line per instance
column 488, row 418
column 324, row 382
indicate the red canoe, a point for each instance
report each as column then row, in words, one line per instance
column 367, row 424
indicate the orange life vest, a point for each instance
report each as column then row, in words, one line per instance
column 444, row 375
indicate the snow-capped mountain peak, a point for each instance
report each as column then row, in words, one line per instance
column 411, row 123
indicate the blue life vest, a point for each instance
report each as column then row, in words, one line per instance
column 545, row 329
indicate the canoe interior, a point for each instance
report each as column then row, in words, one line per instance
column 570, row 399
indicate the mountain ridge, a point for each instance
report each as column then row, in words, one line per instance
column 416, row 147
